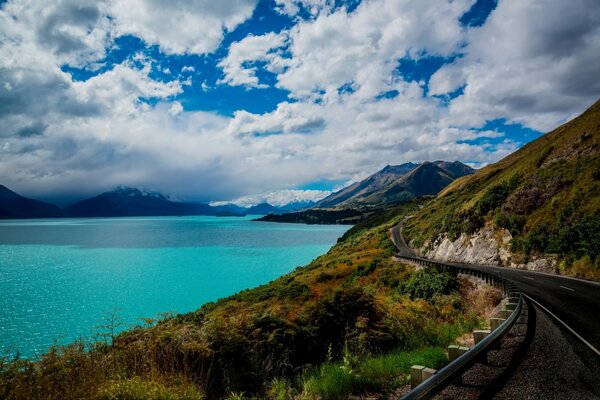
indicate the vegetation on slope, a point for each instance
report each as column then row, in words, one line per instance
column 546, row 194
column 353, row 309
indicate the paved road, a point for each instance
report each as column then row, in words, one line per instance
column 396, row 236
column 575, row 302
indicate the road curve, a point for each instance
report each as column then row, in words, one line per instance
column 574, row 301
column 398, row 240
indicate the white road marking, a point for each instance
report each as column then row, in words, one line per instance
column 528, row 277
column 588, row 344
column 568, row 288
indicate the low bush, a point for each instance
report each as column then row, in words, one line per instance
column 428, row 283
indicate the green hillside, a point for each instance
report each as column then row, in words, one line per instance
column 352, row 321
column 547, row 194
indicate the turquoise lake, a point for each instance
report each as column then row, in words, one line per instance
column 60, row 278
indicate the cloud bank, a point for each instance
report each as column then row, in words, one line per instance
column 358, row 92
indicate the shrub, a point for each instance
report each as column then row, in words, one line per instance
column 514, row 223
column 428, row 283
column 493, row 198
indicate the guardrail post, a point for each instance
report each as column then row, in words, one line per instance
column 427, row 373
column 495, row 323
column 462, row 350
column 416, row 373
column 480, row 334
column 453, row 352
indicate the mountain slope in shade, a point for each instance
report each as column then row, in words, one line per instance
column 394, row 184
column 124, row 201
column 366, row 187
column 13, row 205
column 537, row 208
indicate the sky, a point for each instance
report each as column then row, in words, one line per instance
column 282, row 99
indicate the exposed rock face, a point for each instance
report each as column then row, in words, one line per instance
column 486, row 246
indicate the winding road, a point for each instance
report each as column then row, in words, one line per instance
column 573, row 306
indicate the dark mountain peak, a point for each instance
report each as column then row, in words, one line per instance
column 455, row 168
column 395, row 183
column 263, row 208
column 398, row 169
column 126, row 201
column 7, row 193
column 13, row 205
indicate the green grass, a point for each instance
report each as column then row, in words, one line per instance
column 375, row 374
column 138, row 389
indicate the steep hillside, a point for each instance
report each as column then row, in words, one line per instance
column 395, row 184
column 13, row 205
column 537, row 208
column 124, row 201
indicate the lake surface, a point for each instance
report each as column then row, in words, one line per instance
column 60, row 278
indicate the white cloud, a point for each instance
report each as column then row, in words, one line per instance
column 248, row 51
column 180, row 26
column 176, row 108
column 534, row 62
column 313, row 7
column 363, row 47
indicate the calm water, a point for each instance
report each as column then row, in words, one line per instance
column 59, row 278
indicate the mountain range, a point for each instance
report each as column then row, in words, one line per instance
column 126, row 201
column 391, row 185
column 397, row 183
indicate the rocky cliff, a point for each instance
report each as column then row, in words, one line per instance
column 486, row 246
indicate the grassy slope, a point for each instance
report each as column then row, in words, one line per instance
column 352, row 301
column 547, row 194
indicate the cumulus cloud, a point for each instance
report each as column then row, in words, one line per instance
column 313, row 7
column 362, row 48
column 534, row 62
column 238, row 66
column 180, row 26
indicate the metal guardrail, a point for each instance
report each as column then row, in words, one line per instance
column 454, row 370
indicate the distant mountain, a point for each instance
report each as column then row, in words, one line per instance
column 397, row 183
column 297, row 206
column 13, row 205
column 263, row 209
column 366, row 187
column 229, row 209
column 125, row 201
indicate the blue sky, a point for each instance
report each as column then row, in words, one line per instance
column 284, row 99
